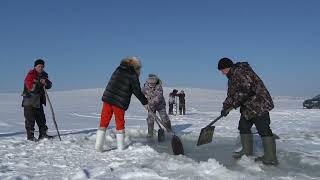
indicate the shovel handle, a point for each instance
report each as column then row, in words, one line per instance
column 52, row 112
column 218, row 118
column 156, row 118
column 214, row 121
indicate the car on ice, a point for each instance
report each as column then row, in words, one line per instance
column 312, row 103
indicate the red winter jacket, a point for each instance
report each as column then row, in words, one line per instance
column 33, row 93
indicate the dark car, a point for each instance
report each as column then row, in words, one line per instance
column 312, row 103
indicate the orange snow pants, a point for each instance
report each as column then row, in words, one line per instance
column 106, row 115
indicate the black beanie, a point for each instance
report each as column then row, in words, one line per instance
column 225, row 63
column 38, row 61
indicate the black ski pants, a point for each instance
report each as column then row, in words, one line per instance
column 35, row 115
column 182, row 109
column 171, row 108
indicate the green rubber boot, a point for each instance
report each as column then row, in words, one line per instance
column 247, row 146
column 270, row 153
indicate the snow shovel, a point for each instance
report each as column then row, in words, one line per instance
column 51, row 108
column 176, row 143
column 206, row 133
column 161, row 136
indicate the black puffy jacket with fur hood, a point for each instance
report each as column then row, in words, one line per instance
column 123, row 83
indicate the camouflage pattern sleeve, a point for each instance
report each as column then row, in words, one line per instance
column 247, row 90
column 158, row 93
column 234, row 96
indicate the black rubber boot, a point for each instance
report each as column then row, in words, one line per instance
column 30, row 136
column 150, row 130
column 247, row 146
column 270, row 152
column 44, row 135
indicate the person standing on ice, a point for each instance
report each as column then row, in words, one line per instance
column 182, row 102
column 247, row 91
column 153, row 91
column 172, row 100
column 33, row 99
column 116, row 99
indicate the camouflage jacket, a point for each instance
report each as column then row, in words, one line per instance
column 247, row 91
column 153, row 91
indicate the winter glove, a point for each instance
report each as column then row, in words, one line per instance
column 43, row 82
column 224, row 112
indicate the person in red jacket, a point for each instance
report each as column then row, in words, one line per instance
column 33, row 99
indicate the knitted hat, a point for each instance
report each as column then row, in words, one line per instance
column 225, row 63
column 38, row 61
column 152, row 79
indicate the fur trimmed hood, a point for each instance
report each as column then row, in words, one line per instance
column 133, row 62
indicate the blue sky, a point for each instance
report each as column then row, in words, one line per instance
column 181, row 41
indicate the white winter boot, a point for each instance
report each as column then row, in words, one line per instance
column 100, row 140
column 120, row 140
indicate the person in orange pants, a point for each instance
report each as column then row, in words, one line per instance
column 107, row 111
column 116, row 99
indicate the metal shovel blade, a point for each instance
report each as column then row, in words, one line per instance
column 206, row 135
column 177, row 146
column 161, row 136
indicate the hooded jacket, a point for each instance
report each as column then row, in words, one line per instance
column 247, row 91
column 123, row 83
column 153, row 91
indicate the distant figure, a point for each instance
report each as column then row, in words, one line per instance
column 172, row 100
column 116, row 99
column 182, row 102
column 247, row 91
column 33, row 99
column 153, row 91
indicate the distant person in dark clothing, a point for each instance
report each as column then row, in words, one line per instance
column 172, row 100
column 182, row 102
column 33, row 99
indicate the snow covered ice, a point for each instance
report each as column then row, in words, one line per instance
column 77, row 113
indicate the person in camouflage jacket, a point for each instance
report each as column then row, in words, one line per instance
column 247, row 91
column 153, row 91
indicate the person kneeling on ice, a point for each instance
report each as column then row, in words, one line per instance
column 33, row 99
column 152, row 89
column 116, row 99
column 247, row 91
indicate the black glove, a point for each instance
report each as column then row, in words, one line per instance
column 224, row 112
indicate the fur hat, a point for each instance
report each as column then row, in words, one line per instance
column 134, row 62
column 225, row 63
